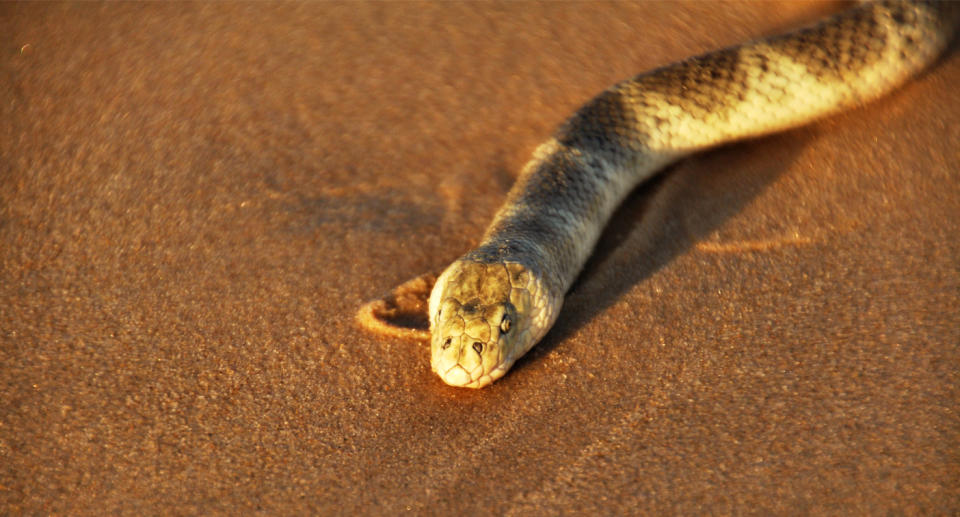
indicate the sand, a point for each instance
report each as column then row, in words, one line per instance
column 195, row 199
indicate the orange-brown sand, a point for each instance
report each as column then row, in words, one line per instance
column 195, row 199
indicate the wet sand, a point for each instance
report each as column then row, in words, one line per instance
column 196, row 198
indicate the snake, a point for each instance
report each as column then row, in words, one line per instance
column 495, row 302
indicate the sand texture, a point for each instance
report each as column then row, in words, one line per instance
column 195, row 199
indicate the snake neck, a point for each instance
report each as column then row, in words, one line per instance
column 558, row 207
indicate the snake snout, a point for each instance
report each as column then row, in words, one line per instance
column 465, row 360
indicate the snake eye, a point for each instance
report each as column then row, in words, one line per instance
column 505, row 324
column 446, row 344
column 478, row 346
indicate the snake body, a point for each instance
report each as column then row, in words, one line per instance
column 494, row 303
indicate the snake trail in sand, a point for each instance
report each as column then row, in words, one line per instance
column 498, row 300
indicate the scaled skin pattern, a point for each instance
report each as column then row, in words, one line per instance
column 493, row 304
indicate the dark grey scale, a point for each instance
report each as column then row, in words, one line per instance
column 689, row 83
column 729, row 80
column 597, row 166
column 502, row 250
column 560, row 181
column 947, row 14
column 645, row 116
column 553, row 240
column 711, row 78
column 517, row 243
column 533, row 230
column 603, row 125
column 828, row 49
column 555, row 255
column 902, row 16
column 762, row 62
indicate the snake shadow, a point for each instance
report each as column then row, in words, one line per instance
column 665, row 217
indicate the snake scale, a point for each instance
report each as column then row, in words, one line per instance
column 499, row 299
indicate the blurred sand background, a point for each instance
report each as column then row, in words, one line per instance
column 195, row 199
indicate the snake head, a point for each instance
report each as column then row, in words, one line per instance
column 483, row 316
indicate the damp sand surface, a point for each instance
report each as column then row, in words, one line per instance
column 195, row 199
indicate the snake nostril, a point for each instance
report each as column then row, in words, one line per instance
column 478, row 346
column 446, row 343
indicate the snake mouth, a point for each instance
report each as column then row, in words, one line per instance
column 456, row 375
column 459, row 377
